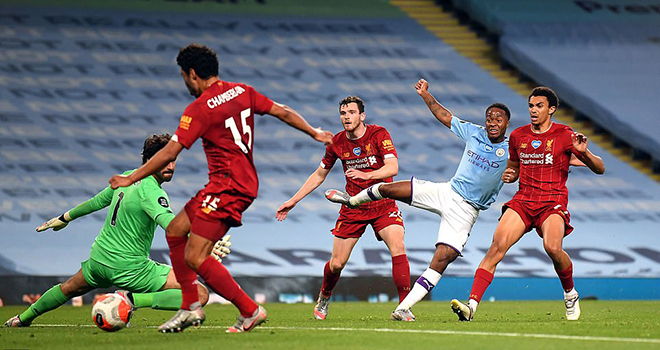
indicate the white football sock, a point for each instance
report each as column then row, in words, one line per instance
column 423, row 286
column 367, row 195
column 473, row 305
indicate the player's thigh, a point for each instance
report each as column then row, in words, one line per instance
column 150, row 276
column 509, row 231
column 456, row 223
column 342, row 248
column 392, row 235
column 180, row 225
column 427, row 195
column 97, row 275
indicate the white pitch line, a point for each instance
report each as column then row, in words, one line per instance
column 425, row 331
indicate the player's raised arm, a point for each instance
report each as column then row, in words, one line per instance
column 294, row 119
column 98, row 202
column 594, row 162
column 313, row 181
column 165, row 156
column 511, row 172
column 439, row 111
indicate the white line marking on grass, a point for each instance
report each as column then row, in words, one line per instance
column 488, row 334
column 423, row 331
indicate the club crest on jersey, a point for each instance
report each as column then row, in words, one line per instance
column 488, row 147
column 548, row 145
column 536, row 144
column 500, row 152
column 357, row 151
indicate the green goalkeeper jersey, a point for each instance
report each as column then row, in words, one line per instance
column 128, row 231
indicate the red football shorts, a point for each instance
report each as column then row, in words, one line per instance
column 534, row 214
column 212, row 214
column 353, row 226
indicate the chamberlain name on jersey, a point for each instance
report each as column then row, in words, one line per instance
column 223, row 117
column 478, row 178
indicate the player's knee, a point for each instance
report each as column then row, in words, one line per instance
column 337, row 265
column 552, row 249
column 203, row 294
column 194, row 261
column 398, row 248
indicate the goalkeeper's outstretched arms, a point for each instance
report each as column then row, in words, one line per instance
column 98, row 202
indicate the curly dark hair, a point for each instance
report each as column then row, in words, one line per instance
column 153, row 144
column 501, row 106
column 351, row 99
column 553, row 100
column 200, row 58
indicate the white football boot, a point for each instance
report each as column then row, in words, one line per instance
column 572, row 302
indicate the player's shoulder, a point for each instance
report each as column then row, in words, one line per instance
column 374, row 129
column 149, row 185
column 525, row 129
column 562, row 128
column 339, row 137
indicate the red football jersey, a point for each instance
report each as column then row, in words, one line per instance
column 544, row 160
column 366, row 154
column 223, row 116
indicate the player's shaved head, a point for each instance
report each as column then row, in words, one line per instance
column 153, row 144
column 501, row 106
column 199, row 58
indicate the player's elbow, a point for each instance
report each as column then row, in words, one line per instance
column 600, row 170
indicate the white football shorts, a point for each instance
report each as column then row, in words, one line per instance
column 458, row 216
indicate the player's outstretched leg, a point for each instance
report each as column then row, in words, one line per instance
column 341, row 197
column 246, row 324
column 182, row 320
column 572, row 302
column 464, row 311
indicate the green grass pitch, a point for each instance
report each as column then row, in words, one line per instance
column 357, row 325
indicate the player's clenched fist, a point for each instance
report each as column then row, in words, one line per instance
column 579, row 142
column 509, row 175
column 421, row 86
column 119, row 181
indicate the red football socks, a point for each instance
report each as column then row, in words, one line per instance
column 482, row 280
column 218, row 278
column 401, row 275
column 566, row 278
column 185, row 275
column 330, row 280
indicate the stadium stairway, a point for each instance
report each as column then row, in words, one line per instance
column 442, row 22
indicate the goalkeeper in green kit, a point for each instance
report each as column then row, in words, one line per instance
column 120, row 253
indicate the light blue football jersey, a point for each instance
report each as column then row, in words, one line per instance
column 478, row 177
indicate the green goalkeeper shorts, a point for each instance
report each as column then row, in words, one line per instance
column 145, row 278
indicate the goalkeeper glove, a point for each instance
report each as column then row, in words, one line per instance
column 221, row 248
column 56, row 223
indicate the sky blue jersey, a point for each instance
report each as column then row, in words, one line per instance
column 478, row 177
